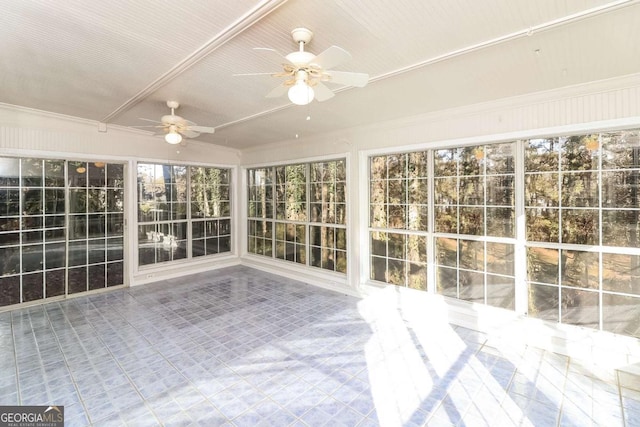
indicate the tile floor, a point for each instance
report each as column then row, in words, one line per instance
column 238, row 347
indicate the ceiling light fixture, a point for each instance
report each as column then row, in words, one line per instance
column 301, row 93
column 173, row 137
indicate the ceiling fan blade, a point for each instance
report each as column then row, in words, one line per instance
column 348, row 78
column 149, row 120
column 202, row 129
column 277, row 91
column 271, row 54
column 252, row 74
column 189, row 133
column 331, row 57
column 150, row 126
column 322, row 92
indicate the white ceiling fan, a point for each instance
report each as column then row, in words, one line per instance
column 175, row 127
column 306, row 73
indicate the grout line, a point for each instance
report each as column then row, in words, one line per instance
column 564, row 386
column 619, row 387
column 15, row 360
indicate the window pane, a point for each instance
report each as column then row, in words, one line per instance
column 54, row 201
column 499, row 158
column 501, row 222
column 378, row 243
column 580, row 269
column 471, row 221
column 542, row 265
column 378, row 268
column 471, row 255
column 9, row 174
column 115, row 175
column 579, row 153
column 621, row 273
column 417, row 276
column 501, row 291
column 396, row 245
column 471, row 286
column 446, row 219
column 500, row 190
column 446, row 162
column 446, row 191
column 621, row 150
column 447, row 252
column 543, row 302
column 620, row 314
column 580, row 307
column 541, row 190
column 446, row 281
column 543, row 225
column 580, row 189
column 32, row 173
column 396, row 272
column 621, row 228
column 472, row 191
column 10, row 261
column 580, row 226
column 542, row 154
column 500, row 258
column 32, row 287
column 54, row 283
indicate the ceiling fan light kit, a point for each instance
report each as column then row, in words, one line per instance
column 306, row 73
column 175, row 128
column 173, row 137
column 301, row 93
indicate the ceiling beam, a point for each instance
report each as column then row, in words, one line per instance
column 262, row 9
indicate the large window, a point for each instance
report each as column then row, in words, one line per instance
column 399, row 218
column 474, row 211
column 579, row 238
column 583, row 215
column 210, row 211
column 297, row 213
column 40, row 256
column 183, row 212
column 96, row 225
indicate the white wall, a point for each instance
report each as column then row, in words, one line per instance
column 24, row 130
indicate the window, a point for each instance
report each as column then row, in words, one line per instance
column 583, row 215
column 398, row 218
column 474, row 211
column 96, row 225
column 176, row 201
column 40, row 256
column 328, row 206
column 297, row 213
column 260, row 227
column 210, row 211
column 580, row 238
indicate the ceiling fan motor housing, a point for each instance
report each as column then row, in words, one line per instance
column 303, row 35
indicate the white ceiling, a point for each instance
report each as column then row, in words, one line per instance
column 119, row 60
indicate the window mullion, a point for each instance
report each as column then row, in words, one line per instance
column 520, row 255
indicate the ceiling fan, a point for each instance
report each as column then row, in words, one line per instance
column 175, row 127
column 306, row 73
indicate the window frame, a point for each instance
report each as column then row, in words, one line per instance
column 188, row 219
